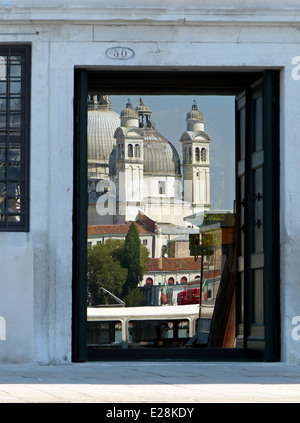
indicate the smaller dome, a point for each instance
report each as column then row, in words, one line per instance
column 129, row 111
column 144, row 115
column 142, row 107
column 195, row 113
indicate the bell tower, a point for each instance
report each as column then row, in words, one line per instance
column 196, row 162
column 129, row 165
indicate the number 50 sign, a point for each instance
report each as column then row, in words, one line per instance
column 120, row 53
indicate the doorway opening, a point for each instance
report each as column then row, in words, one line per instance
column 175, row 216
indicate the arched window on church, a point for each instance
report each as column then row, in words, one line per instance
column 183, row 279
column 186, row 155
column 120, row 151
column 137, row 151
column 141, row 121
column 130, row 150
column 149, row 282
column 161, row 187
column 197, row 154
column 203, row 154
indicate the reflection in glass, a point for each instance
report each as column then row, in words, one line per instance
column 2, row 201
column 3, row 87
column 258, row 296
column 157, row 244
column 13, row 172
column 2, row 170
column 2, row 104
column 15, row 121
column 14, row 154
column 15, row 104
column 258, row 124
column 3, row 67
column 15, row 87
column 2, row 189
column 104, row 333
column 2, row 121
column 15, row 59
column 14, row 198
column 242, row 133
column 15, row 70
column 258, row 210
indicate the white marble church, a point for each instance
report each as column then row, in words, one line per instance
column 133, row 168
column 134, row 174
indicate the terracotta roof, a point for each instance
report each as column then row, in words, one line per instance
column 181, row 264
column 116, row 229
column 173, row 264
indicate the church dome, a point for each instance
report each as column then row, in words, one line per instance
column 102, row 123
column 142, row 107
column 129, row 111
column 195, row 114
column 160, row 156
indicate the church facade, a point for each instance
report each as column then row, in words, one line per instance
column 141, row 171
column 142, row 181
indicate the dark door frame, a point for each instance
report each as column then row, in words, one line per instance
column 175, row 82
column 79, row 289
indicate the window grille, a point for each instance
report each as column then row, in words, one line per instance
column 14, row 138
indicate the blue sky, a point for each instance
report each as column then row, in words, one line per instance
column 169, row 114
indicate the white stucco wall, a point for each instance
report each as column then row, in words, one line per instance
column 16, row 289
column 36, row 268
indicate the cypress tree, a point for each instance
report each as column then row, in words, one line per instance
column 132, row 259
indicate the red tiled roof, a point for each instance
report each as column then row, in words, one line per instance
column 116, row 229
column 173, row 264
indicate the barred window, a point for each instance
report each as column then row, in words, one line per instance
column 14, row 138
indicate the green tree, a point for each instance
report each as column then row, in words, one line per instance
column 109, row 265
column 132, row 259
column 105, row 270
column 144, row 256
column 135, row 298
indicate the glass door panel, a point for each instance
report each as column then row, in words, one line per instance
column 158, row 178
column 256, row 159
column 240, row 207
column 256, row 141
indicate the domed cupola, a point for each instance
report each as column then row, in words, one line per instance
column 144, row 115
column 195, row 119
column 102, row 123
column 160, row 156
column 129, row 116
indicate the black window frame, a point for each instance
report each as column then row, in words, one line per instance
column 21, row 140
